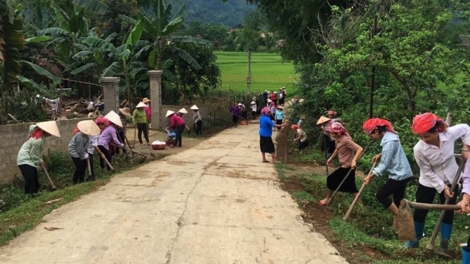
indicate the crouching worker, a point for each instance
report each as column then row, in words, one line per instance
column 300, row 136
column 78, row 147
column 392, row 160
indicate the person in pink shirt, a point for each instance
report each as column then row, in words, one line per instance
column 176, row 123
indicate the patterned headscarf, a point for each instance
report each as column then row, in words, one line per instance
column 102, row 120
column 265, row 111
column 424, row 122
column 337, row 127
column 373, row 123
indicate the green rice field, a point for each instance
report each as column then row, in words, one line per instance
column 268, row 72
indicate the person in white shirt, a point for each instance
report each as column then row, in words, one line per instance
column 254, row 109
column 301, row 137
column 434, row 154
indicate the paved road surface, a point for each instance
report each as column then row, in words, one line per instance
column 214, row 203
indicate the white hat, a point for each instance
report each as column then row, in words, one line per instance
column 269, row 100
column 194, row 107
column 49, row 127
column 125, row 111
column 301, row 100
column 114, row 118
column 183, row 111
column 145, row 100
column 88, row 127
column 322, row 120
column 140, row 105
column 252, row 103
column 240, row 104
column 169, row 113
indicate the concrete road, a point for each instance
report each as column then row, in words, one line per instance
column 214, row 203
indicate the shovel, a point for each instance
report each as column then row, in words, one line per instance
column 406, row 229
column 346, row 216
column 49, row 178
column 90, row 175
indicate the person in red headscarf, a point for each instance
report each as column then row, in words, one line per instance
column 434, row 154
column 393, row 160
column 345, row 147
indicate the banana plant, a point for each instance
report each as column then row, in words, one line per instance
column 126, row 60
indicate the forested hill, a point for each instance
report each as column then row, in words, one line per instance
column 229, row 13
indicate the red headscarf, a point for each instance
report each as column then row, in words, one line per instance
column 373, row 123
column 337, row 127
column 331, row 113
column 102, row 120
column 424, row 122
column 37, row 133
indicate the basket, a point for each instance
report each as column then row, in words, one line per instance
column 158, row 145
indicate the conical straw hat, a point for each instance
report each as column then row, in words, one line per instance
column 125, row 111
column 194, row 107
column 146, row 100
column 169, row 113
column 49, row 127
column 183, row 111
column 322, row 120
column 140, row 105
column 88, row 127
column 114, row 118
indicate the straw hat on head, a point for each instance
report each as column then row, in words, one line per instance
column 183, row 111
column 252, row 103
column 169, row 113
column 322, row 120
column 49, row 127
column 301, row 100
column 114, row 118
column 88, row 127
column 194, row 107
column 280, row 107
column 145, row 100
column 140, row 105
column 125, row 111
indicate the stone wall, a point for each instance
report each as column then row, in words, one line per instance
column 13, row 136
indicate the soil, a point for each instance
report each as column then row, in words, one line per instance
column 319, row 216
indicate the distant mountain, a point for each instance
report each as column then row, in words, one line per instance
column 230, row 13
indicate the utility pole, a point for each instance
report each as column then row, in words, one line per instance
column 248, row 76
column 372, row 79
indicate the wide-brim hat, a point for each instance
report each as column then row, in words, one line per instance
column 140, row 105
column 269, row 100
column 194, row 107
column 183, row 111
column 88, row 127
column 169, row 113
column 49, row 127
column 146, row 100
column 114, row 118
column 280, row 107
column 125, row 111
column 301, row 100
column 252, row 103
column 322, row 120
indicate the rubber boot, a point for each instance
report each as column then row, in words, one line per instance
column 446, row 230
column 419, row 228
column 465, row 256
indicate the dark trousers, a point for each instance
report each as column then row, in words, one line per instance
column 426, row 195
column 392, row 187
column 80, row 169
column 179, row 133
column 143, row 128
column 122, row 138
column 198, row 128
column 30, row 175
column 107, row 155
column 278, row 122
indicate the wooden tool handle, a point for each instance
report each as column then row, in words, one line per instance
column 426, row 206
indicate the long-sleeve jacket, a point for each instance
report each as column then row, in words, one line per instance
column 30, row 152
column 78, row 146
column 139, row 117
column 107, row 136
column 393, row 159
column 196, row 116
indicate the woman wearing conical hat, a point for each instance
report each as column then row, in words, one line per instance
column 197, row 119
column 108, row 136
column 182, row 112
column 29, row 156
column 140, row 120
column 78, row 148
column 176, row 123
